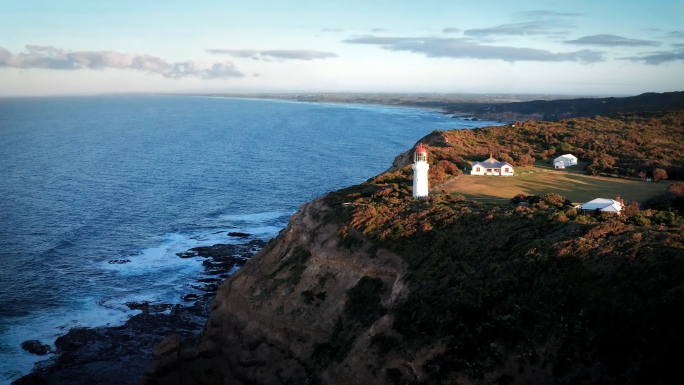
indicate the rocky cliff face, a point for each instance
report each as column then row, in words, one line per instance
column 303, row 310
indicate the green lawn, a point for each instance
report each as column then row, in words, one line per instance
column 576, row 186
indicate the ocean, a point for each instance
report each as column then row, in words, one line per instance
column 88, row 181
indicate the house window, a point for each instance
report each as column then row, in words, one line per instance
column 477, row 169
column 489, row 170
column 507, row 170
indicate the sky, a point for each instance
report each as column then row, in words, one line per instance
column 569, row 47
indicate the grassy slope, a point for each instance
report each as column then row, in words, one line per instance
column 577, row 187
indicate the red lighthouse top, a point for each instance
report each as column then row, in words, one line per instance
column 421, row 149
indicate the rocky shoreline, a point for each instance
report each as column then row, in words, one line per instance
column 120, row 355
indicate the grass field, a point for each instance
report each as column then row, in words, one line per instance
column 576, row 186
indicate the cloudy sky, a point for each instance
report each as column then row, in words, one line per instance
column 579, row 47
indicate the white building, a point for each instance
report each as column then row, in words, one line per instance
column 420, row 172
column 564, row 161
column 491, row 166
column 602, row 206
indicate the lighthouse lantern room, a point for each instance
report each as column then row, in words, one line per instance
column 420, row 172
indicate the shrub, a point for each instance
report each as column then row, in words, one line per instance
column 659, row 174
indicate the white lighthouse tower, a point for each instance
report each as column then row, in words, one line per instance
column 420, row 172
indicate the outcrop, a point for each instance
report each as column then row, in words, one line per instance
column 285, row 317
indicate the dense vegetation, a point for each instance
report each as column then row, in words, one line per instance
column 637, row 145
column 572, row 108
column 527, row 292
column 533, row 292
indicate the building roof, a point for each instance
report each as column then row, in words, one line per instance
column 602, row 204
column 491, row 163
column 421, row 149
column 568, row 156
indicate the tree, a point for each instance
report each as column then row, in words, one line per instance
column 642, row 175
column 631, row 210
column 659, row 174
column 526, row 159
column 605, row 162
column 504, row 157
column 564, row 147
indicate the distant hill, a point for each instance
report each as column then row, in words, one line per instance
column 504, row 107
column 570, row 108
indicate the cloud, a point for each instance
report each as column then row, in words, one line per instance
column 676, row 34
column 234, row 52
column 525, row 28
column 332, row 30
column 466, row 49
column 660, row 57
column 612, row 41
column 283, row 54
column 49, row 57
column 540, row 13
column 378, row 30
column 450, row 30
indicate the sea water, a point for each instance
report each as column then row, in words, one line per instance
column 88, row 181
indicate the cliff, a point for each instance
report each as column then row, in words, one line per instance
column 366, row 285
column 286, row 318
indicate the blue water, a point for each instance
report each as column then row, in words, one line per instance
column 86, row 180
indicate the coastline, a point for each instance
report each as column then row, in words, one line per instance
column 332, row 102
column 445, row 109
column 498, row 107
column 120, row 354
column 454, row 110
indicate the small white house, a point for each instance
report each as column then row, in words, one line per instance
column 491, row 166
column 564, row 161
column 602, row 206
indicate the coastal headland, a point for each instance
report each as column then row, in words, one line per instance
column 367, row 285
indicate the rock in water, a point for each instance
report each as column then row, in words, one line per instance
column 238, row 234
column 36, row 347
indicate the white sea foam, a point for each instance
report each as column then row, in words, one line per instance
column 162, row 257
column 255, row 218
column 46, row 327
column 155, row 275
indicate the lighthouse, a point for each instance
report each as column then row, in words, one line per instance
column 420, row 172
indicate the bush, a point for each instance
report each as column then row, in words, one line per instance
column 659, row 174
